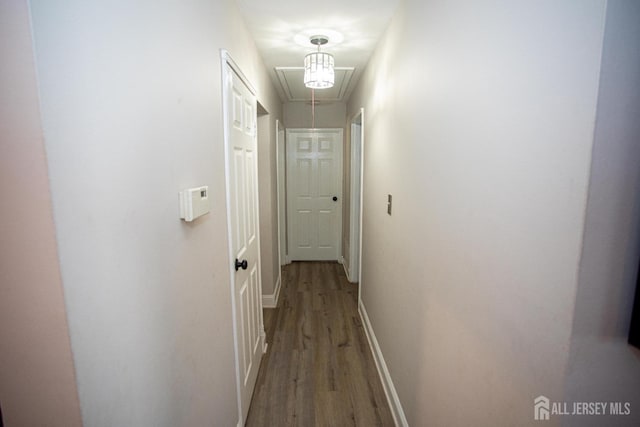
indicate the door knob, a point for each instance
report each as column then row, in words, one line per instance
column 335, row 199
column 241, row 264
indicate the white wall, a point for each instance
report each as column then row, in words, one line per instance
column 327, row 115
column 602, row 366
column 131, row 110
column 267, row 187
column 37, row 379
column 479, row 120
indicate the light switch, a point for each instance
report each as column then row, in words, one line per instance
column 194, row 202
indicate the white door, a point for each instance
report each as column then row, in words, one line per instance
column 314, row 193
column 242, row 198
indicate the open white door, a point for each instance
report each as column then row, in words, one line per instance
column 314, row 194
column 242, row 204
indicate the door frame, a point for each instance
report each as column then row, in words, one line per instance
column 340, row 187
column 281, row 167
column 355, row 203
column 228, row 65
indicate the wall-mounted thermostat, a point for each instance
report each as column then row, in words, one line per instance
column 194, row 202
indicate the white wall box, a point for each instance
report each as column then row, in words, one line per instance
column 194, row 202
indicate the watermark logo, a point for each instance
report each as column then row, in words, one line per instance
column 541, row 408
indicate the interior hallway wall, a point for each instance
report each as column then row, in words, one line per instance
column 329, row 115
column 37, row 379
column 479, row 120
column 131, row 107
column 603, row 366
column 267, row 187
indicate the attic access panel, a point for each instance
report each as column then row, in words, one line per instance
column 291, row 81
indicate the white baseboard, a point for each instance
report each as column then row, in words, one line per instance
column 389, row 389
column 271, row 300
column 263, row 340
column 346, row 270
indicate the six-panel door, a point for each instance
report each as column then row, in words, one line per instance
column 243, row 220
column 314, row 193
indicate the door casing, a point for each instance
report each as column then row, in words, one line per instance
column 355, row 205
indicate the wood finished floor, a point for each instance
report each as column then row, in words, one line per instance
column 318, row 369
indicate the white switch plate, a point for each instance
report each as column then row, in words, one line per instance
column 194, row 202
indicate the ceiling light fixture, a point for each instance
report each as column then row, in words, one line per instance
column 319, row 70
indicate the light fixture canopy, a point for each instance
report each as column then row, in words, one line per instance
column 319, row 72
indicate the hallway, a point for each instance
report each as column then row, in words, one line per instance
column 495, row 147
column 318, row 369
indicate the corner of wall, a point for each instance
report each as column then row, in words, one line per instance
column 602, row 365
column 38, row 384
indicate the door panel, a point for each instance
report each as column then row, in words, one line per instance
column 243, row 292
column 238, row 200
column 303, row 236
column 256, row 306
column 325, row 223
column 304, row 143
column 303, row 184
column 252, row 195
column 314, row 179
column 325, row 144
column 326, row 183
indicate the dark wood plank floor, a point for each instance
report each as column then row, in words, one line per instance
column 318, row 370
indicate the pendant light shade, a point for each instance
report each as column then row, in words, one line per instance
column 319, row 70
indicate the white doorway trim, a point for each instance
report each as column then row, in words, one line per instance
column 282, row 192
column 355, row 205
column 271, row 300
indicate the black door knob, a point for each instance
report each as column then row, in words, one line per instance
column 335, row 199
column 241, row 264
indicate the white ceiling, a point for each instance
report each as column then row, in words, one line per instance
column 274, row 25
